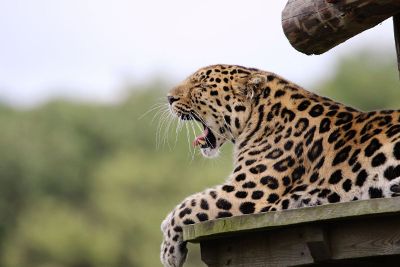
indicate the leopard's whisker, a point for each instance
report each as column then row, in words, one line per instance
column 180, row 125
column 158, row 112
column 176, row 132
column 165, row 129
column 152, row 108
column 188, row 138
column 171, row 121
column 194, row 133
column 162, row 120
column 191, row 123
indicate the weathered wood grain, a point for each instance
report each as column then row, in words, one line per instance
column 360, row 233
column 363, row 242
column 365, row 238
column 315, row 26
column 280, row 248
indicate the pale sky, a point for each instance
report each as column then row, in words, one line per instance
column 88, row 49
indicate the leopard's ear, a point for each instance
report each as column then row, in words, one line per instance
column 255, row 84
column 251, row 85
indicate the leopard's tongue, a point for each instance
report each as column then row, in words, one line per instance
column 201, row 139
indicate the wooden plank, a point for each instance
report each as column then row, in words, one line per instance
column 315, row 26
column 365, row 238
column 396, row 29
column 373, row 241
column 268, row 220
column 278, row 248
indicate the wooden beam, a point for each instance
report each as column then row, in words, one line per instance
column 317, row 242
column 283, row 247
column 315, row 26
column 396, row 29
column 373, row 241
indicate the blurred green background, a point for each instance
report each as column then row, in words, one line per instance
column 86, row 184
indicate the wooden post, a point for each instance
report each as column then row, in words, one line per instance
column 315, row 26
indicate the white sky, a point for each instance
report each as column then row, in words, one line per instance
column 88, row 49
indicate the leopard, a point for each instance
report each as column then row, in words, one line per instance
column 291, row 149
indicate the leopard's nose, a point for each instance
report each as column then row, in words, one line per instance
column 171, row 99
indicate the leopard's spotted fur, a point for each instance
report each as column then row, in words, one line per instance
column 292, row 148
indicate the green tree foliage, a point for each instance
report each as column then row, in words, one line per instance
column 368, row 81
column 86, row 185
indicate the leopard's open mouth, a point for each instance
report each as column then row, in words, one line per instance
column 206, row 139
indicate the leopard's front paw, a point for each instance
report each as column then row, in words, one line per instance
column 173, row 254
column 173, row 249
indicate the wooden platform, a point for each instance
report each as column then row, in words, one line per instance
column 359, row 233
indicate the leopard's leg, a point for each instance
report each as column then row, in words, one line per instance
column 193, row 209
column 173, row 249
column 221, row 201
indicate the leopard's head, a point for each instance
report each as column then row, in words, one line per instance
column 220, row 97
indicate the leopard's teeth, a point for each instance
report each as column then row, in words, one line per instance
column 202, row 141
